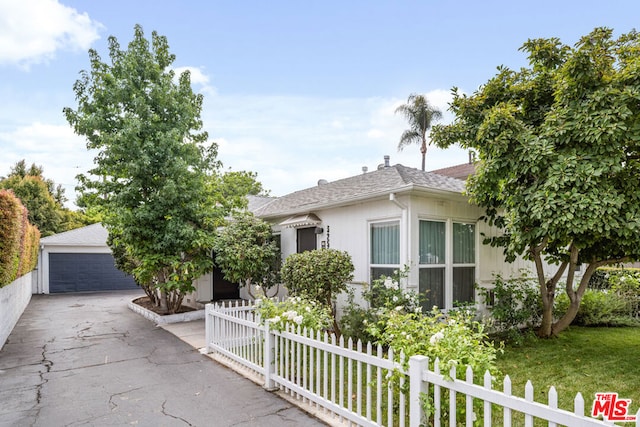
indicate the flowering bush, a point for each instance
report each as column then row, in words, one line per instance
column 455, row 338
column 384, row 294
column 296, row 311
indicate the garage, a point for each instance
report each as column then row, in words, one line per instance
column 85, row 272
column 79, row 261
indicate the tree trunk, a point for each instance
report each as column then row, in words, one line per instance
column 164, row 308
column 336, row 327
column 423, row 150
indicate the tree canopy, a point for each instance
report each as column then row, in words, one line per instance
column 156, row 178
column 559, row 158
column 43, row 199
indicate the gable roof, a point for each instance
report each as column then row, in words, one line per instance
column 91, row 235
column 360, row 187
column 462, row 171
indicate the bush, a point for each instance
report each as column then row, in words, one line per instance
column 383, row 295
column 516, row 308
column 296, row 311
column 597, row 308
column 318, row 275
column 18, row 253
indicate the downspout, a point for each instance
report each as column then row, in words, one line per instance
column 404, row 230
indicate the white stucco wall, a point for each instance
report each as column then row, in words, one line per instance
column 14, row 298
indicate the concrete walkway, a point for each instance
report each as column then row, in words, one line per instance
column 87, row 360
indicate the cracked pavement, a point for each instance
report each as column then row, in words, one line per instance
column 87, row 360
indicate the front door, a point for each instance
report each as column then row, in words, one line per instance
column 306, row 239
column 222, row 288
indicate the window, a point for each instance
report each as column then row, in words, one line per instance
column 464, row 258
column 445, row 281
column 432, row 237
column 385, row 249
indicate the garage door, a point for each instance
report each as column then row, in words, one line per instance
column 86, row 272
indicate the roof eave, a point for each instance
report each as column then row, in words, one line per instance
column 383, row 194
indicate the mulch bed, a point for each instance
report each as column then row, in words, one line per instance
column 145, row 302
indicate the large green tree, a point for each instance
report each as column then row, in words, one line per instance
column 43, row 199
column 559, row 148
column 420, row 115
column 155, row 177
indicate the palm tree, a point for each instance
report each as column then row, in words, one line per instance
column 420, row 114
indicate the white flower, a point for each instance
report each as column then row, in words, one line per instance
column 418, row 309
column 399, row 308
column 275, row 319
column 308, row 309
column 395, row 298
column 436, row 337
column 298, row 319
column 388, row 283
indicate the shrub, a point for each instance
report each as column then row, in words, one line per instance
column 296, row 311
column 516, row 307
column 11, row 236
column 597, row 308
column 318, row 275
column 383, row 295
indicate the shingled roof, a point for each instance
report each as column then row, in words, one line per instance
column 462, row 171
column 91, row 235
column 360, row 187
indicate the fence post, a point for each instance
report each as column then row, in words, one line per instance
column 269, row 356
column 208, row 327
column 417, row 364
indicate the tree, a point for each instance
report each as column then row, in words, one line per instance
column 319, row 275
column 247, row 253
column 155, row 178
column 559, row 148
column 420, row 115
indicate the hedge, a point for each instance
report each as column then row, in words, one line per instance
column 19, row 240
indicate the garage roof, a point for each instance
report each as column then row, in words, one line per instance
column 91, row 235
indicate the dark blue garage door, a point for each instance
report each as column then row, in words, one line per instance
column 86, row 272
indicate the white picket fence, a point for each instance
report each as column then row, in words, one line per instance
column 356, row 384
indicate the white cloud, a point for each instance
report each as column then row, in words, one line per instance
column 32, row 31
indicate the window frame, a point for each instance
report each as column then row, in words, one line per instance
column 370, row 227
column 449, row 265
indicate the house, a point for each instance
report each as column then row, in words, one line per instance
column 78, row 260
column 392, row 217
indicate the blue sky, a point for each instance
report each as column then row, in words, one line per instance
column 295, row 91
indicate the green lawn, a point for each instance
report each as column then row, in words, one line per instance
column 586, row 360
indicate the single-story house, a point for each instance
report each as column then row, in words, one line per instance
column 393, row 217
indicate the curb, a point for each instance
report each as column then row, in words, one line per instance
column 169, row 318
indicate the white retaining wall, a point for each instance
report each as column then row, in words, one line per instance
column 14, row 298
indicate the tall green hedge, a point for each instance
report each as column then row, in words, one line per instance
column 19, row 240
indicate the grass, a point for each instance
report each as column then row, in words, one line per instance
column 581, row 359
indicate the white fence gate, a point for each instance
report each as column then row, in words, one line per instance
column 353, row 383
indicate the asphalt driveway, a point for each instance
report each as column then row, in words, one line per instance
column 87, row 360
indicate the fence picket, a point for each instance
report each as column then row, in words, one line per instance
column 488, row 380
column 553, row 402
column 528, row 395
